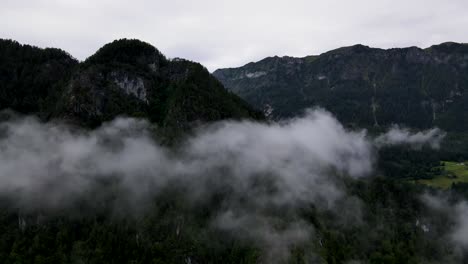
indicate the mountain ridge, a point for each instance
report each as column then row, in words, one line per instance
column 411, row 86
column 125, row 77
column 443, row 44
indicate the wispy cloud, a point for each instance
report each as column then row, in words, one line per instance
column 261, row 169
column 404, row 136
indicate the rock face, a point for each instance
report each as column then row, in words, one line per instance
column 125, row 77
column 130, row 77
column 130, row 85
column 363, row 86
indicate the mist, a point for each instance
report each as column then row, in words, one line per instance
column 266, row 172
column 403, row 136
column 66, row 160
column 452, row 212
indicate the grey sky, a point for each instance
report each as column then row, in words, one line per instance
column 221, row 33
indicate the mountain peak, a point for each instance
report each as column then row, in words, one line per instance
column 354, row 49
column 450, row 47
column 127, row 51
column 125, row 77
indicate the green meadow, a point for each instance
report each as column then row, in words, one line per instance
column 453, row 172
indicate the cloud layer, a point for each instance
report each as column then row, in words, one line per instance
column 232, row 33
column 260, row 169
column 296, row 154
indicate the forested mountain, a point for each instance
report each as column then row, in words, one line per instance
column 362, row 86
column 307, row 190
column 30, row 76
column 125, row 77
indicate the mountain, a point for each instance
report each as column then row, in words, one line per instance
column 227, row 195
column 29, row 76
column 362, row 86
column 125, row 77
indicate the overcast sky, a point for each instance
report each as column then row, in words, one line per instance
column 221, row 33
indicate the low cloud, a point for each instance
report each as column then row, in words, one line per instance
column 260, row 169
column 453, row 214
column 296, row 155
column 264, row 168
column 403, row 136
column 460, row 235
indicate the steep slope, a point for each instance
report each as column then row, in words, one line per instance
column 30, row 76
column 363, row 86
column 125, row 77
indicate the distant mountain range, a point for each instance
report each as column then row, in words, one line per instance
column 362, row 86
column 125, row 77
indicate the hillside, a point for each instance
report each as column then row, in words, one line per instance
column 125, row 77
column 362, row 86
column 30, row 76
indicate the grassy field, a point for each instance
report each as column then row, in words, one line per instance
column 453, row 172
